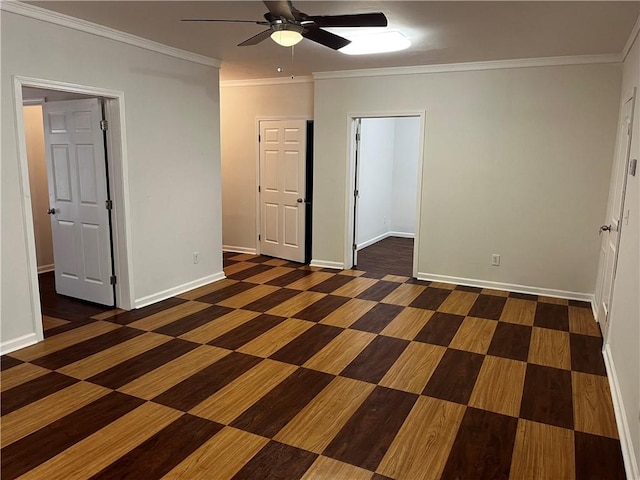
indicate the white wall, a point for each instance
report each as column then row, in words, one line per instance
column 172, row 129
column 405, row 174
column 240, row 109
column 34, row 136
column 624, row 331
column 516, row 162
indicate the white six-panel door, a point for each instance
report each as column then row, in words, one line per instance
column 282, row 189
column 77, row 178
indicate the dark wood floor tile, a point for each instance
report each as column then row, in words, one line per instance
column 38, row 447
column 377, row 274
column 193, row 321
column 579, row 303
column 277, row 461
column 28, row 392
column 376, row 359
column 60, row 306
column 392, row 255
column 226, row 292
column 127, row 371
column 7, row 362
column 125, row 318
column 466, row 288
column 455, row 376
column 190, row 392
column 331, row 284
column 52, row 332
column 586, row 354
column 249, row 272
column 269, row 301
column 523, row 296
column 320, row 309
column 378, row 291
column 551, row 315
column 378, row 476
column 598, row 458
column 377, row 318
column 483, row 447
column 247, row 331
column 431, row 298
column 275, row 409
column 81, row 350
column 366, row 437
column 488, row 306
column 511, row 341
column 305, row 346
column 259, row 259
column 157, row 455
column 547, row 396
column 440, row 329
column 290, row 277
column 415, row 281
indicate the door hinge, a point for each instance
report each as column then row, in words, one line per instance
column 104, row 125
column 108, row 204
column 112, row 280
column 259, row 237
column 356, row 193
column 357, row 137
column 259, row 138
column 259, row 190
column 355, row 247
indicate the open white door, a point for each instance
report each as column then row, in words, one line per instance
column 615, row 217
column 77, row 175
column 283, row 188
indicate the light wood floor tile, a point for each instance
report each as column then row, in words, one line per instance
column 474, row 335
column 229, row 402
column 581, row 321
column 310, row 281
column 225, row 454
column 161, row 379
column 542, row 451
column 592, row 405
column 52, row 322
column 276, row 338
column 276, row 262
column 519, row 311
column 414, row 367
column 108, row 314
column 243, row 257
column 408, row 323
column 421, row 448
column 64, row 340
column 355, row 287
column 352, row 273
column 105, row 359
column 325, row 468
column 316, row 425
column 495, row 293
column 106, row 445
column 20, row 374
column 238, row 267
column 340, row 351
column 222, row 325
column 499, row 386
column 169, row 315
column 404, row 294
column 296, row 304
column 395, row 278
column 442, row 285
column 550, row 348
column 20, row 423
column 245, row 298
column 206, row 289
column 347, row 314
column 458, row 302
column 269, row 275
column 557, row 301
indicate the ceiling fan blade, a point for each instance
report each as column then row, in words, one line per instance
column 281, row 8
column 256, row 38
column 216, row 20
column 325, row 38
column 357, row 20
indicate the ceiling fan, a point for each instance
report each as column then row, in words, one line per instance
column 288, row 25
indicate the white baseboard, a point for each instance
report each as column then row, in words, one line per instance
column 402, row 234
column 172, row 292
column 18, row 343
column 327, row 264
column 630, row 462
column 362, row 245
column 45, row 268
column 234, row 249
column 509, row 287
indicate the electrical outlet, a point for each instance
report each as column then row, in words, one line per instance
column 196, row 257
column 495, row 260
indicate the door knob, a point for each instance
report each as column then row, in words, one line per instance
column 300, row 200
column 52, row 211
column 605, row 228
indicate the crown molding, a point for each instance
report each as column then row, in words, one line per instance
column 266, row 81
column 37, row 13
column 632, row 37
column 472, row 66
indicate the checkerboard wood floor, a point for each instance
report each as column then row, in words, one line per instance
column 284, row 371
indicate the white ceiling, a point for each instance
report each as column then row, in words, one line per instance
column 440, row 32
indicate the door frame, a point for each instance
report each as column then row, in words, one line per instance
column 118, row 180
column 352, row 120
column 259, row 119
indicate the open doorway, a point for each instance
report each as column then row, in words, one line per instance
column 385, row 186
